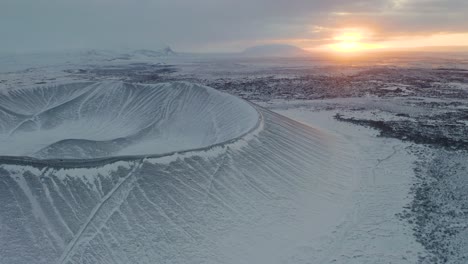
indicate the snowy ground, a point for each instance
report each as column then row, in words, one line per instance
column 404, row 119
column 372, row 231
column 413, row 184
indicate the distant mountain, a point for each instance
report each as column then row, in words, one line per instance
column 95, row 54
column 167, row 51
column 274, row 50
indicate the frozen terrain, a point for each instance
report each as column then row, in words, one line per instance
column 419, row 150
column 131, row 158
column 95, row 120
column 267, row 190
column 371, row 232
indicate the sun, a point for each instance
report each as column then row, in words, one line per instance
column 349, row 37
column 347, row 46
column 351, row 42
column 347, row 42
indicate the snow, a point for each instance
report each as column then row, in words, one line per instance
column 279, row 188
column 216, row 180
column 371, row 231
column 281, row 193
column 118, row 119
column 457, row 85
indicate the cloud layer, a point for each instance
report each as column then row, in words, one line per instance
column 217, row 25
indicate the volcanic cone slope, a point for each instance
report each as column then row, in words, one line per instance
column 78, row 121
column 262, row 189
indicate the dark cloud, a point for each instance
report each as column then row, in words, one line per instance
column 213, row 24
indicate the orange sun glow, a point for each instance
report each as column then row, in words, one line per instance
column 351, row 42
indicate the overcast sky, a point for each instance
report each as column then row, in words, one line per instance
column 223, row 25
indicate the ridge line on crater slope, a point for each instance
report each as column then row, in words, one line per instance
column 94, row 162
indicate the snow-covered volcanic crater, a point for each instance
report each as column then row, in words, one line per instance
column 96, row 120
column 167, row 173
